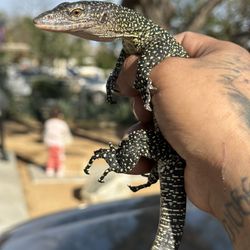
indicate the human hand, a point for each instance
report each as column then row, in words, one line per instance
column 202, row 106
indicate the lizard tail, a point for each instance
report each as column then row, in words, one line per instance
column 173, row 206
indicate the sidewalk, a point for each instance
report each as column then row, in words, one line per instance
column 12, row 201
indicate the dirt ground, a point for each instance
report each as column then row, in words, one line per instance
column 49, row 196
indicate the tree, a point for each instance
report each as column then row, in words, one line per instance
column 105, row 57
column 237, row 22
column 160, row 11
column 227, row 19
column 197, row 21
column 47, row 91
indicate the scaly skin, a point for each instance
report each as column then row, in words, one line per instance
column 102, row 21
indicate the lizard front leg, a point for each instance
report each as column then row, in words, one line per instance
column 111, row 82
column 149, row 58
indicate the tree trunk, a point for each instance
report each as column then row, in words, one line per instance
column 199, row 19
column 160, row 11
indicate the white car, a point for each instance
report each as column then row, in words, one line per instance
column 96, row 88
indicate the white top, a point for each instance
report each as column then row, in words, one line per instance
column 56, row 133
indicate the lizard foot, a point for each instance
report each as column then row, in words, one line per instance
column 137, row 188
column 106, row 154
column 125, row 157
column 113, row 156
column 107, row 171
column 153, row 177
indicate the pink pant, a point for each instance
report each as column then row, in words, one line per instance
column 55, row 158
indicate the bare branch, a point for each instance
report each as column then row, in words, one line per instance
column 199, row 19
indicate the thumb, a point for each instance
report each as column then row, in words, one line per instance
column 195, row 44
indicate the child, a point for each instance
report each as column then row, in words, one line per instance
column 56, row 135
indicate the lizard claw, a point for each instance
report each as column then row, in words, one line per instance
column 133, row 188
column 101, row 180
column 151, row 87
column 86, row 170
column 147, row 106
column 137, row 188
column 110, row 100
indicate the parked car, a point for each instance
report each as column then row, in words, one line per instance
column 122, row 225
column 17, row 83
column 94, row 88
column 91, row 81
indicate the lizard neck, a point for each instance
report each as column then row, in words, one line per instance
column 142, row 39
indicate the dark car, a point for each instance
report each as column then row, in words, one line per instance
column 122, row 225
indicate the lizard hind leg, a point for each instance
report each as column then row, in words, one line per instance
column 110, row 156
column 153, row 177
column 106, row 172
column 106, row 154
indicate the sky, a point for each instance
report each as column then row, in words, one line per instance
column 29, row 7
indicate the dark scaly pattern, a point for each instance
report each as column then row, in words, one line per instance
column 102, row 21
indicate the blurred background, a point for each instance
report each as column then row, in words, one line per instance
column 41, row 70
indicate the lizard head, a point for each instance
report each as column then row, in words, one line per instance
column 92, row 20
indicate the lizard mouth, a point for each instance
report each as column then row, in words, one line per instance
column 68, row 28
column 56, row 27
column 46, row 27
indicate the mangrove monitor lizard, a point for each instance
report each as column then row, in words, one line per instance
column 103, row 21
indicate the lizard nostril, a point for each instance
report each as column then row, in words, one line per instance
column 37, row 20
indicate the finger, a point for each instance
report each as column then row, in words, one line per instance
column 126, row 77
column 137, row 126
column 143, row 115
column 196, row 44
column 143, row 166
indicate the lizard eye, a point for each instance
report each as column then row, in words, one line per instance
column 76, row 12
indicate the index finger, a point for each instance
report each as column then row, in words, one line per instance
column 126, row 77
column 196, row 44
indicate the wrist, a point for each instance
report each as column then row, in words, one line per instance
column 235, row 206
column 236, row 214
